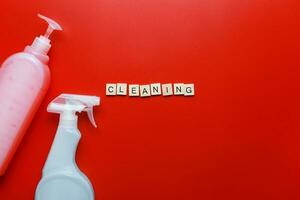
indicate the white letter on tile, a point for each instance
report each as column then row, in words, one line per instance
column 121, row 88
column 167, row 89
column 145, row 90
column 155, row 89
column 189, row 89
column 134, row 90
column 178, row 88
column 111, row 89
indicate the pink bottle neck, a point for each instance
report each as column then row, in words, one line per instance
column 40, row 56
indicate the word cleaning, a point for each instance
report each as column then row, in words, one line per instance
column 153, row 89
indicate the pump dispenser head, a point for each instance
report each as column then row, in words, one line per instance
column 52, row 25
column 42, row 44
column 67, row 105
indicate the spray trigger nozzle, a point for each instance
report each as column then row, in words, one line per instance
column 67, row 105
column 52, row 25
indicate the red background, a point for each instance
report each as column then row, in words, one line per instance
column 238, row 138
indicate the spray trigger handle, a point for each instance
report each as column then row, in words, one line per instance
column 90, row 114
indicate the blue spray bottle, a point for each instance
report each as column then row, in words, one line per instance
column 62, row 179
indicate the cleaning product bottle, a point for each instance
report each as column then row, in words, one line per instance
column 24, row 80
column 61, row 178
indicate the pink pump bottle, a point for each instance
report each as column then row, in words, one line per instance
column 24, row 80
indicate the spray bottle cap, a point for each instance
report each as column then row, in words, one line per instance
column 42, row 44
column 67, row 105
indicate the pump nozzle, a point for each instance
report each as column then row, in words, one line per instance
column 68, row 104
column 41, row 44
column 52, row 25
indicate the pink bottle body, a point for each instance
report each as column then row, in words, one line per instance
column 24, row 80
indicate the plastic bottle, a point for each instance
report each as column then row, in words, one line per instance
column 61, row 177
column 24, row 80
